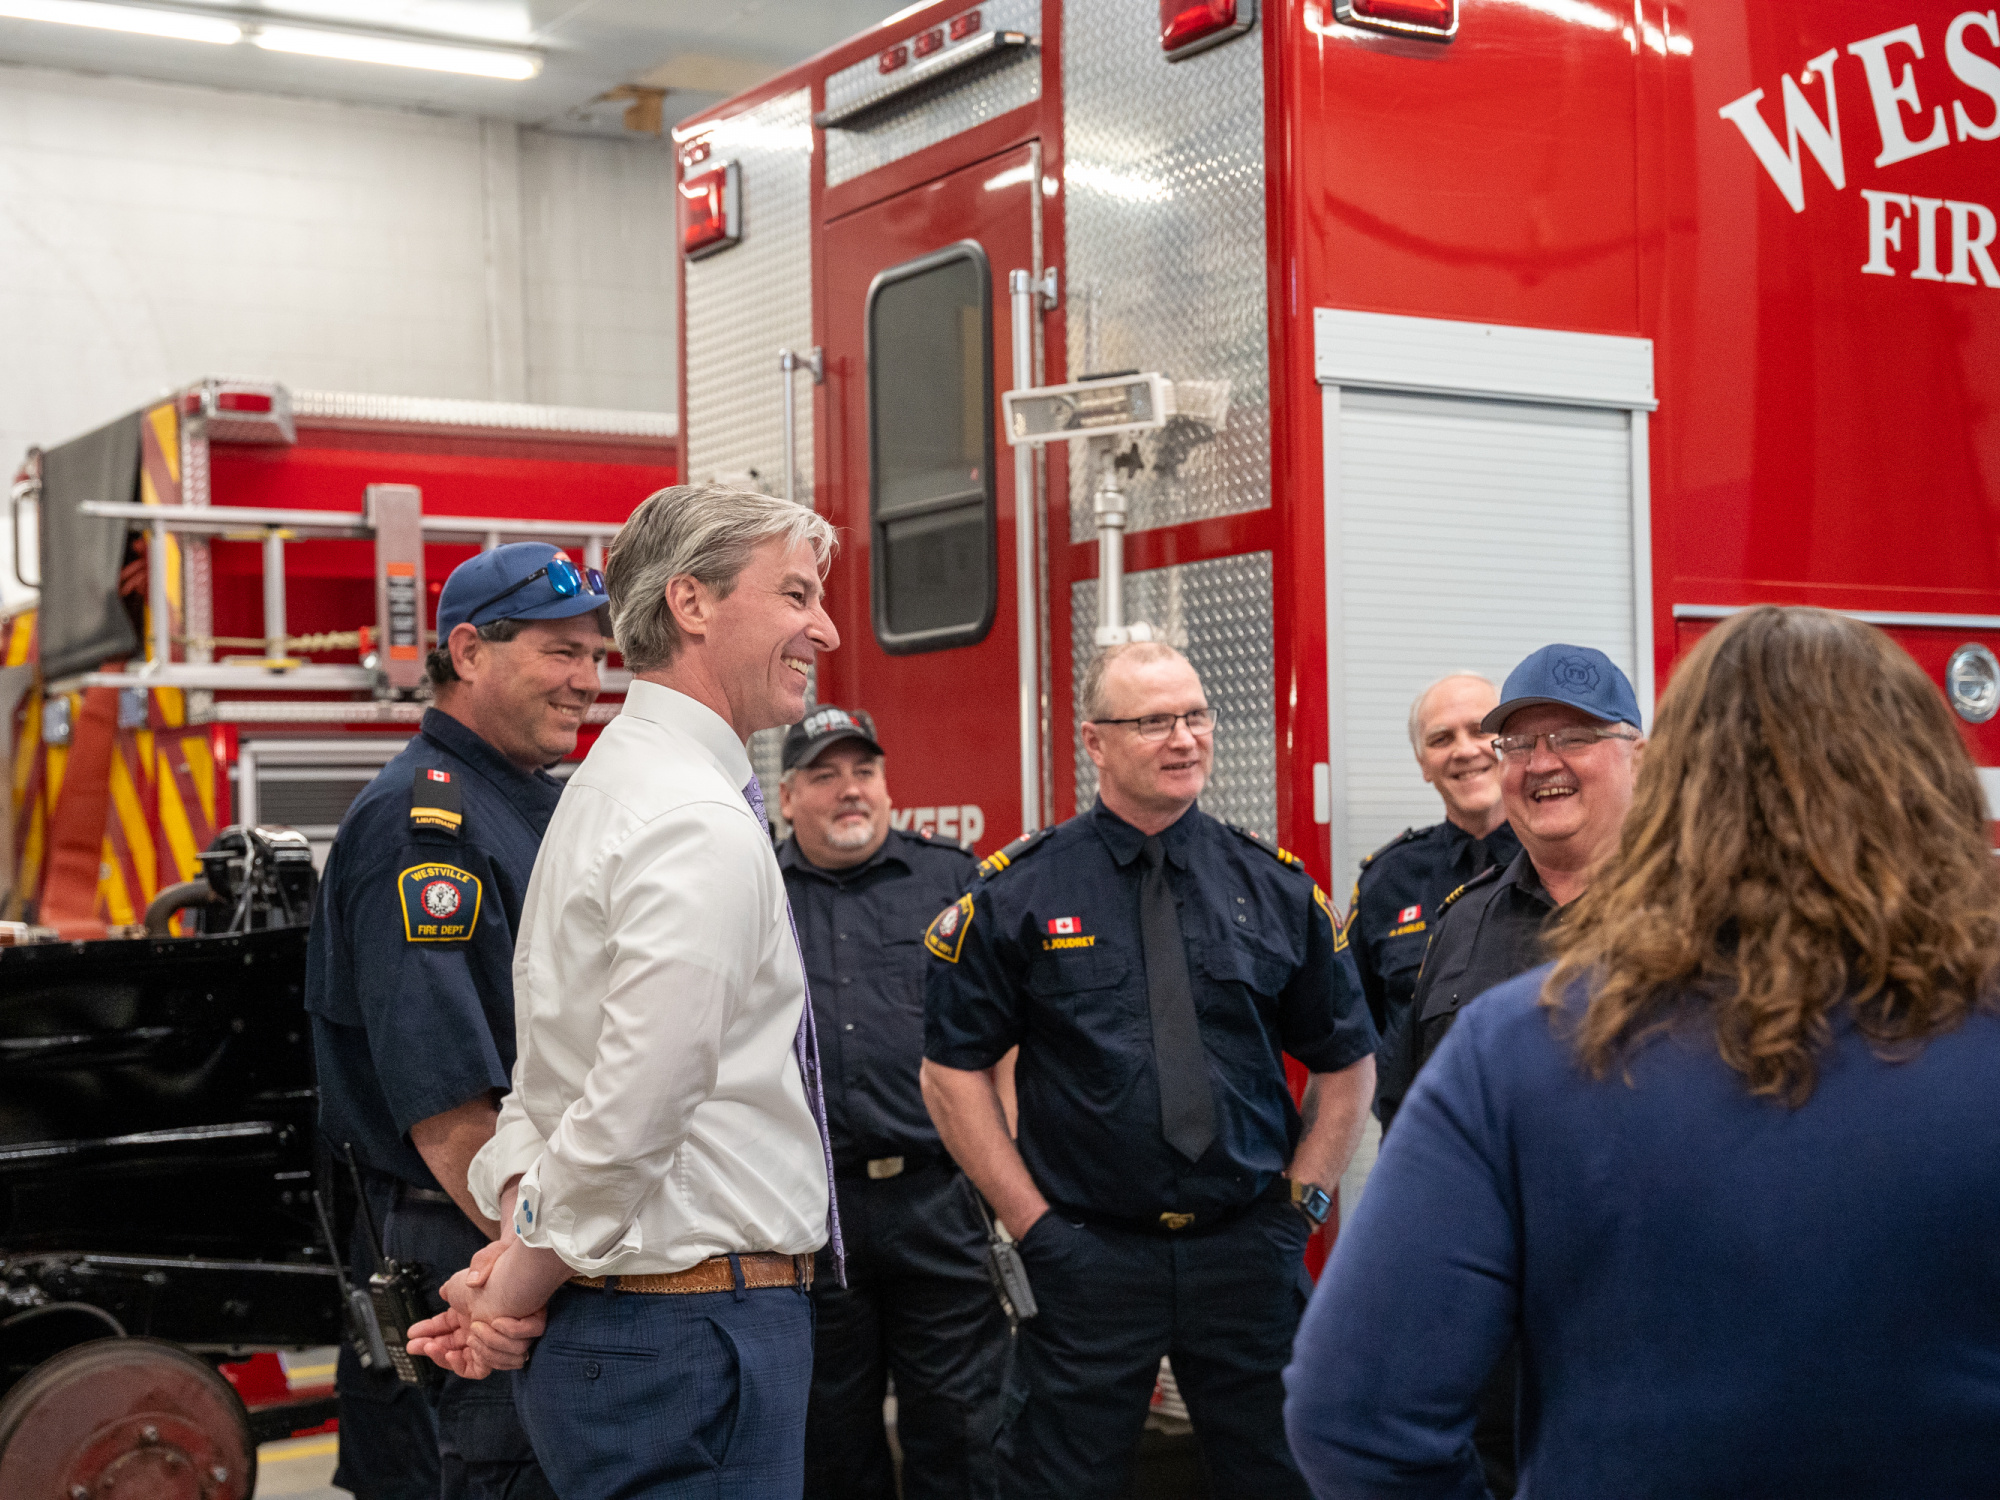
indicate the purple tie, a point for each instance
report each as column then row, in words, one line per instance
column 806, row 1045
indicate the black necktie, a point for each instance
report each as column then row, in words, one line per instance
column 1187, row 1109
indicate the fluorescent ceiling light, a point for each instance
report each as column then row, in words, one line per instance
column 166, row 23
column 347, row 46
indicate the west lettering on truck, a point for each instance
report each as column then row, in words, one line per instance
column 1953, row 239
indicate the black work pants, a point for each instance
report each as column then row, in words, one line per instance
column 458, row 1441
column 1222, row 1304
column 918, row 1306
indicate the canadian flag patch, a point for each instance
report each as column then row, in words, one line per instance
column 438, row 775
column 1409, row 914
column 1064, row 926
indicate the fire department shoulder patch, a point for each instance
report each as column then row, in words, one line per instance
column 946, row 934
column 440, row 903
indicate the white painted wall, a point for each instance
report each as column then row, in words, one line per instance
column 152, row 233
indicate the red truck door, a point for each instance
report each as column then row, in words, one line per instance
column 921, row 481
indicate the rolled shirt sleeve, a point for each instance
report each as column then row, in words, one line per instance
column 508, row 1154
column 691, row 903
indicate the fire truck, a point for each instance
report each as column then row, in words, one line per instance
column 1344, row 344
column 237, row 588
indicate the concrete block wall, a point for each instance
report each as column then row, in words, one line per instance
column 153, row 233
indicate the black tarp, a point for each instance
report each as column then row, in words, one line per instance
column 82, row 623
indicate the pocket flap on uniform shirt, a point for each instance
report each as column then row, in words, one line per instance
column 1246, row 963
column 1066, row 971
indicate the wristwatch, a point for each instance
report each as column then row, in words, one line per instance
column 1312, row 1201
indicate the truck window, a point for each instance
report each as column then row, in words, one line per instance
column 931, row 501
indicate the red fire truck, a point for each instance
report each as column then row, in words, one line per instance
column 1346, row 343
column 237, row 589
column 238, row 585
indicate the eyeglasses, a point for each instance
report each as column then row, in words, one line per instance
column 564, row 577
column 1200, row 723
column 1560, row 741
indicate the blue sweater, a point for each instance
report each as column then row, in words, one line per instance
column 1716, row 1296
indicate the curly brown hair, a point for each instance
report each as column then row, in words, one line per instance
column 1807, row 830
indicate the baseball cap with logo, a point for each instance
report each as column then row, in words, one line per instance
column 822, row 727
column 520, row 581
column 1579, row 677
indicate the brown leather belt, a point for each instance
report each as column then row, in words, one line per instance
column 761, row 1270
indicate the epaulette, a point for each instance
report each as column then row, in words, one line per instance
column 1282, row 856
column 1402, row 838
column 434, row 802
column 1285, row 857
column 999, row 859
column 1491, row 872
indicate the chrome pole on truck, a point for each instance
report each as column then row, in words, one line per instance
column 1030, row 295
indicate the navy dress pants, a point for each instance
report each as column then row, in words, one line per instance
column 460, row 1441
column 694, row 1396
column 1222, row 1304
column 918, row 1306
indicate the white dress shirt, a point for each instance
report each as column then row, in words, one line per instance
column 657, row 1116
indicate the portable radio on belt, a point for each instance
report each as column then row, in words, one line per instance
column 1003, row 1265
column 396, row 1298
column 357, row 1312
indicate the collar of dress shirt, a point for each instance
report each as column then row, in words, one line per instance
column 684, row 715
column 1125, row 842
column 526, row 790
column 792, row 857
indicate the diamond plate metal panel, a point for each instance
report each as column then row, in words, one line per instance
column 1219, row 613
column 746, row 303
column 941, row 110
column 1163, row 191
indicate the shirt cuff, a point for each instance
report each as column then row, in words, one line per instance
column 513, row 1148
column 589, row 1242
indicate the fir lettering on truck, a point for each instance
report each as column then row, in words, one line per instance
column 1950, row 239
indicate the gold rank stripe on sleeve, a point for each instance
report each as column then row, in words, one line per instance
column 436, row 817
column 945, row 937
column 1000, row 859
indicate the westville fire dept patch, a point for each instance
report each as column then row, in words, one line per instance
column 440, row 903
column 946, row 934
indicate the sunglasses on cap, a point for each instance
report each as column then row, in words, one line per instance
column 564, row 577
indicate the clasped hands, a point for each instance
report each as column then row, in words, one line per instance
column 478, row 1332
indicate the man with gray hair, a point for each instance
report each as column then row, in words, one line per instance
column 661, row 1165
column 1403, row 884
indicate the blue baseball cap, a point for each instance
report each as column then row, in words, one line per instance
column 520, row 581
column 1579, row 677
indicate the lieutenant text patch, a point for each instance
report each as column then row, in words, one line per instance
column 440, row 903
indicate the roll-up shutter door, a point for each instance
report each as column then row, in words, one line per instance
column 1467, row 533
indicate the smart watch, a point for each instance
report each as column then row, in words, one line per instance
column 1312, row 1201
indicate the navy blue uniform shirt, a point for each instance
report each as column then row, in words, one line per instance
column 1397, row 900
column 1715, row 1294
column 409, row 966
column 1045, row 952
column 862, row 933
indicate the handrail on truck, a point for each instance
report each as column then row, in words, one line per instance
column 273, row 527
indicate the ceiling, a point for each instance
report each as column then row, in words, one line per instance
column 699, row 51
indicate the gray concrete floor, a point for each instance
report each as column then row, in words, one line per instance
column 299, row 1469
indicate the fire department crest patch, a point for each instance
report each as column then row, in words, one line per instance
column 946, row 934
column 440, row 903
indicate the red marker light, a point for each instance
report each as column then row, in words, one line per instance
column 1191, row 26
column 931, row 41
column 709, row 210
column 963, row 26
column 891, row 60
column 1437, row 18
column 242, row 401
